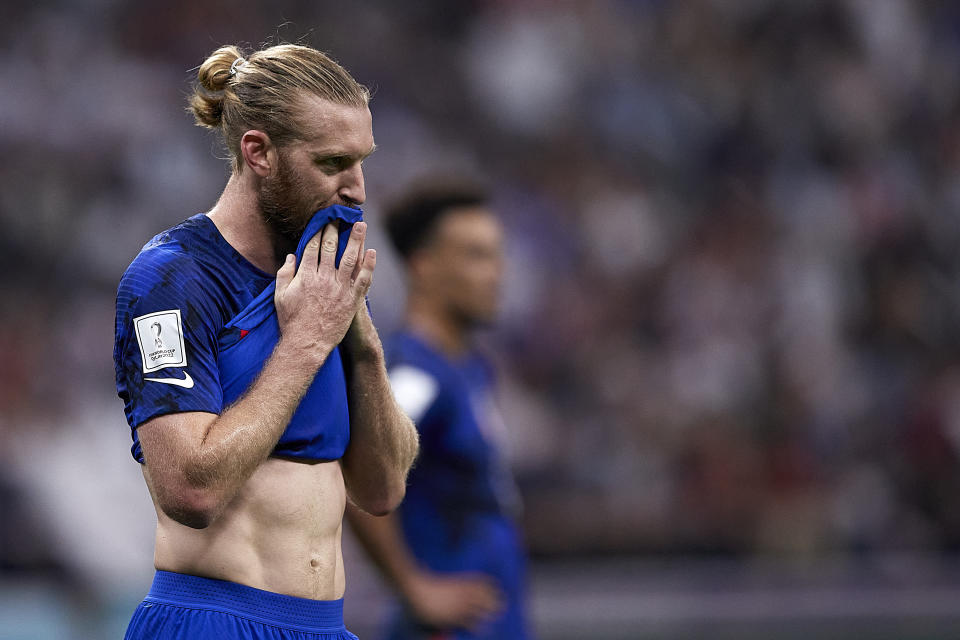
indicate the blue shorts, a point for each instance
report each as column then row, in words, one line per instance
column 182, row 607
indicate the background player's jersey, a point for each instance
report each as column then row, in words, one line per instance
column 172, row 305
column 457, row 513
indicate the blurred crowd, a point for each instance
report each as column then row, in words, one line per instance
column 731, row 321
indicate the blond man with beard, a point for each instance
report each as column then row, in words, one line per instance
column 252, row 375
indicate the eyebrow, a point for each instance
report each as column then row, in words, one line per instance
column 335, row 153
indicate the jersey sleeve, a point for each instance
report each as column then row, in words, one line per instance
column 165, row 349
column 416, row 391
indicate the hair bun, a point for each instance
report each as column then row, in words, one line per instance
column 206, row 103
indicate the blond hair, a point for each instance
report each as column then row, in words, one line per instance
column 234, row 94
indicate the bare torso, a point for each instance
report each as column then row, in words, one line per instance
column 281, row 533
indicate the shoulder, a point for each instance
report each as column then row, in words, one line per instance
column 406, row 349
column 416, row 374
column 415, row 389
column 172, row 273
column 160, row 278
column 171, row 259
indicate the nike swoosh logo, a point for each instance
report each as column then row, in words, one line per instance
column 186, row 383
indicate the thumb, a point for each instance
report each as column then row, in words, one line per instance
column 286, row 273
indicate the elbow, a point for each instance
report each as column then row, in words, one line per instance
column 387, row 503
column 380, row 492
column 191, row 507
column 192, row 519
column 382, row 502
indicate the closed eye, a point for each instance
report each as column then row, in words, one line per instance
column 333, row 163
column 340, row 162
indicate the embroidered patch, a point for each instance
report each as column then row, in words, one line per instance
column 160, row 335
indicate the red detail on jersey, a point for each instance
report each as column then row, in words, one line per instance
column 243, row 333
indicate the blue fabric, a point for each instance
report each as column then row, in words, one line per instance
column 184, row 607
column 458, row 513
column 191, row 269
column 320, row 427
column 219, row 295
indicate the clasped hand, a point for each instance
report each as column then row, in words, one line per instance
column 317, row 302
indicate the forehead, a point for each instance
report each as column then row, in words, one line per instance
column 470, row 224
column 338, row 126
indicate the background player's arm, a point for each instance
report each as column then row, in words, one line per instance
column 443, row 601
column 383, row 440
column 196, row 462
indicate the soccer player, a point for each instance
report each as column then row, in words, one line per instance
column 252, row 375
column 452, row 550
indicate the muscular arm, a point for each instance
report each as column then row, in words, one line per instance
column 383, row 440
column 196, row 462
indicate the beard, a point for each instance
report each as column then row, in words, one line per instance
column 285, row 206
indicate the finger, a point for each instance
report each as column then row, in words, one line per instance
column 285, row 274
column 482, row 582
column 365, row 272
column 352, row 254
column 487, row 599
column 328, row 246
column 490, row 606
column 460, row 612
column 311, row 254
column 479, row 615
column 361, row 252
column 471, row 620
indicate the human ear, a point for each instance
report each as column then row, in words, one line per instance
column 423, row 267
column 259, row 153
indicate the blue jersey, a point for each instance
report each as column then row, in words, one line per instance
column 458, row 511
column 195, row 324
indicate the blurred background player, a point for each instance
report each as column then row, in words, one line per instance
column 452, row 552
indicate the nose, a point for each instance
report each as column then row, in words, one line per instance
column 351, row 187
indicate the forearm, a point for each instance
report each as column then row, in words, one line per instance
column 239, row 439
column 383, row 440
column 459, row 600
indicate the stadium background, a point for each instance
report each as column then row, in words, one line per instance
column 730, row 344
